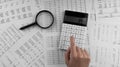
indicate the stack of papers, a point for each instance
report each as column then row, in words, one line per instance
column 36, row 47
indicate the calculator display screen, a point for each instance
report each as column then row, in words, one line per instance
column 76, row 18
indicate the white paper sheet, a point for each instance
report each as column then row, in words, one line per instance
column 107, row 10
column 16, row 10
column 104, row 33
column 18, row 48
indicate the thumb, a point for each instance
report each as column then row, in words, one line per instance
column 67, row 56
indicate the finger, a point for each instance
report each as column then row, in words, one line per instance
column 84, row 53
column 88, row 56
column 81, row 52
column 78, row 51
column 66, row 59
column 67, row 56
column 73, row 47
column 68, row 53
column 72, row 41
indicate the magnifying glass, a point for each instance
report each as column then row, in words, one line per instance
column 44, row 19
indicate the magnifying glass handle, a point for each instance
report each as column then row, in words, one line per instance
column 24, row 27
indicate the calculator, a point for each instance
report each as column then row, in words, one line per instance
column 74, row 24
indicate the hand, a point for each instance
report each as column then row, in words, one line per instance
column 75, row 56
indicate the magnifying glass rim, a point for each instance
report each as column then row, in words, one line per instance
column 46, row 12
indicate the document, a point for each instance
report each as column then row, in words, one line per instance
column 21, row 49
column 12, row 10
column 105, row 38
column 104, row 33
column 107, row 10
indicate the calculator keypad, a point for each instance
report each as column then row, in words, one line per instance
column 79, row 33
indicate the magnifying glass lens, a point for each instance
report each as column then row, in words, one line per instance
column 44, row 19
